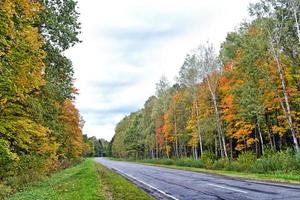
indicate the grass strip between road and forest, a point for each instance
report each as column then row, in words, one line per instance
column 87, row 180
column 277, row 176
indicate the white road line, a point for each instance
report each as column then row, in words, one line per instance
column 228, row 188
column 150, row 186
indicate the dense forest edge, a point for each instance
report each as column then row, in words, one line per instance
column 238, row 109
column 40, row 127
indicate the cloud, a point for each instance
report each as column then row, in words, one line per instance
column 109, row 87
column 143, row 35
column 127, row 46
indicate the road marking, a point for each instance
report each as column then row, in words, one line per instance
column 228, row 188
column 150, row 186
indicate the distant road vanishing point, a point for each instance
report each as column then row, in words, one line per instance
column 165, row 183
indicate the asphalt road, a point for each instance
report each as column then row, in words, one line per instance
column 164, row 183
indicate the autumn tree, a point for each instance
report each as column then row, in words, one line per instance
column 38, row 120
column 278, row 19
column 210, row 68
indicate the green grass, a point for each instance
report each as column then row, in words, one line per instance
column 85, row 181
column 116, row 187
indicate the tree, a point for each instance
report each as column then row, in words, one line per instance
column 210, row 67
column 71, row 140
column 190, row 77
column 38, row 121
column 163, row 94
column 278, row 16
column 21, row 67
column 149, row 126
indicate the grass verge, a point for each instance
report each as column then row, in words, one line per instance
column 85, row 181
column 116, row 187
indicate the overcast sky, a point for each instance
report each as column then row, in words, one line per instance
column 128, row 45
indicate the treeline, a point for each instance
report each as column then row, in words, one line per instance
column 96, row 147
column 245, row 98
column 40, row 128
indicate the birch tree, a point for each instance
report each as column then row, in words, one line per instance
column 209, row 67
column 189, row 76
column 275, row 16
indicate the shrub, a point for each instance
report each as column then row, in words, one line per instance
column 296, row 162
column 233, row 166
column 222, row 163
column 277, row 161
column 208, row 159
column 189, row 162
column 7, row 159
column 4, row 190
column 194, row 163
column 245, row 161
column 28, row 169
column 161, row 161
column 166, row 162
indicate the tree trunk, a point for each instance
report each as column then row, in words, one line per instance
column 270, row 133
column 256, row 146
column 156, row 146
column 297, row 23
column 193, row 151
column 260, row 137
column 216, row 145
column 286, row 105
column 231, row 151
column 221, row 146
column 198, row 129
column 219, row 123
column 185, row 151
column 176, row 138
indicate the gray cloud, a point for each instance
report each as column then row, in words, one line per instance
column 132, row 44
column 126, row 48
column 143, row 35
column 110, row 111
column 109, row 87
column 107, row 115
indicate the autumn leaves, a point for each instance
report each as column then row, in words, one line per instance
column 245, row 98
column 38, row 120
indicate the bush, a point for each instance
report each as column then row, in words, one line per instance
column 7, row 158
column 245, row 161
column 165, row 161
column 162, row 161
column 28, row 169
column 208, row 159
column 296, row 162
column 222, row 163
column 4, row 190
column 189, row 162
column 277, row 161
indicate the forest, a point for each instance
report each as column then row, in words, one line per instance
column 243, row 98
column 40, row 127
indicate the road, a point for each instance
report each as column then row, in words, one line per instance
column 165, row 183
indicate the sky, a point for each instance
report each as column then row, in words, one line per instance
column 127, row 45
